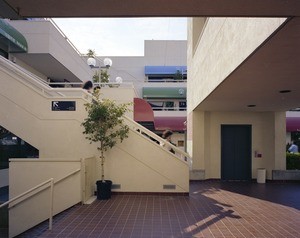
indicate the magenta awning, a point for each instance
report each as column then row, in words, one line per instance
column 170, row 123
column 292, row 124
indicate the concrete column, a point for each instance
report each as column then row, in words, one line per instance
column 198, row 142
column 280, row 139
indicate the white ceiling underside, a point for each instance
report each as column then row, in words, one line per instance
column 273, row 67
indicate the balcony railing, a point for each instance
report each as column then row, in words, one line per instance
column 169, row 108
column 166, row 80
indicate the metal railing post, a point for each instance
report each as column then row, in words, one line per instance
column 51, row 204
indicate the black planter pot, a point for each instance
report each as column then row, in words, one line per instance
column 103, row 189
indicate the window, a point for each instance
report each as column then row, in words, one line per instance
column 180, row 143
column 12, row 146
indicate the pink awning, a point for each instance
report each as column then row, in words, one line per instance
column 170, row 123
column 292, row 124
column 142, row 111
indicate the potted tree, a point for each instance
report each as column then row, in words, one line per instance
column 105, row 125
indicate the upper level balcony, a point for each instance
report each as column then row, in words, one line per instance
column 50, row 53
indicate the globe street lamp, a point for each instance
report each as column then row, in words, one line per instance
column 107, row 64
column 92, row 63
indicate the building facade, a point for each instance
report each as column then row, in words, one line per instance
column 159, row 78
column 242, row 79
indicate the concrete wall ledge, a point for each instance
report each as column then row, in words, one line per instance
column 286, row 174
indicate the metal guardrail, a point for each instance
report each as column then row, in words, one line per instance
column 169, row 108
column 51, row 184
column 165, row 80
column 182, row 155
column 112, row 85
column 36, row 83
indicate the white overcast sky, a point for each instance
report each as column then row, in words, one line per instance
column 120, row 36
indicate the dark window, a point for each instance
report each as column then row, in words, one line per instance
column 12, row 146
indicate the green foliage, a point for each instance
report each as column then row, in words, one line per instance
column 91, row 53
column 104, row 76
column 105, row 123
column 96, row 77
column 292, row 161
column 178, row 75
column 101, row 76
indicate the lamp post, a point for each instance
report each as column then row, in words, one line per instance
column 102, row 76
column 92, row 63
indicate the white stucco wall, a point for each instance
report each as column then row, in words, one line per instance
column 225, row 43
column 156, row 53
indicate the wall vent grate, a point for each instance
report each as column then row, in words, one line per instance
column 116, row 186
column 169, row 186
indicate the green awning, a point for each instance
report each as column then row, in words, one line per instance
column 149, row 92
column 11, row 38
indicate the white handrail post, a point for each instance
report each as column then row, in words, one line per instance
column 83, row 181
column 51, row 204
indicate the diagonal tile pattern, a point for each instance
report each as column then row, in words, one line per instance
column 213, row 209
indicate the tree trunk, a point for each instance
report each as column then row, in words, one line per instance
column 102, row 163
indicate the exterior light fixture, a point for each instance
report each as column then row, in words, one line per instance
column 92, row 63
column 285, row 91
column 119, row 80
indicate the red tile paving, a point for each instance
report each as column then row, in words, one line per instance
column 213, row 209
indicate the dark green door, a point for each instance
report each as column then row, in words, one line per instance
column 236, row 152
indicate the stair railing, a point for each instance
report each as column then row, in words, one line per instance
column 49, row 183
column 182, row 155
column 36, row 83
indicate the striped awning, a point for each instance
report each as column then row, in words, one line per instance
column 155, row 92
column 165, row 70
column 13, row 40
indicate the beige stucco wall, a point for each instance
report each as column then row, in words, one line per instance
column 225, row 43
column 26, row 174
column 120, row 95
column 27, row 110
column 58, row 134
column 267, row 138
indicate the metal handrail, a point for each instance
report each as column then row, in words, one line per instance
column 129, row 84
column 185, row 157
column 31, row 190
column 166, row 80
column 68, row 175
column 51, row 185
column 169, row 108
column 34, row 82
column 25, row 193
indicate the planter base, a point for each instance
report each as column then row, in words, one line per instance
column 103, row 189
